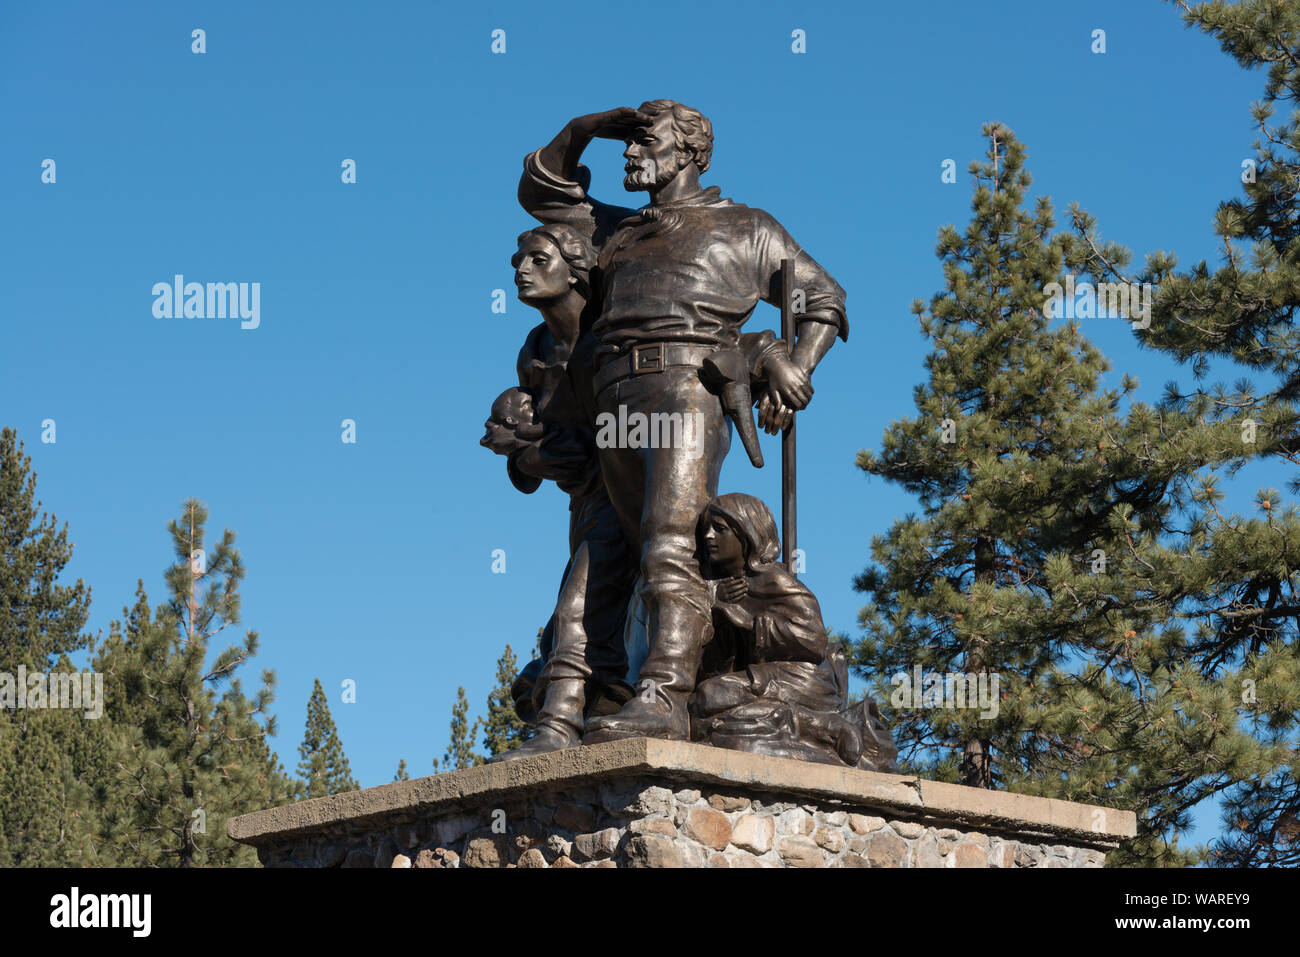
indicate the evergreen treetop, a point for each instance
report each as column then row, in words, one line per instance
column 324, row 768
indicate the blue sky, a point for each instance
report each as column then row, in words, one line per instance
column 372, row 561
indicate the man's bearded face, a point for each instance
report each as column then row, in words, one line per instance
column 653, row 160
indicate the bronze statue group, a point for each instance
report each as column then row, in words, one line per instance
column 675, row 617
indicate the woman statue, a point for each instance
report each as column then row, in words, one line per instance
column 583, row 666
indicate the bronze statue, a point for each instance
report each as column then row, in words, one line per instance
column 677, row 281
column 771, row 681
column 660, row 339
column 584, row 665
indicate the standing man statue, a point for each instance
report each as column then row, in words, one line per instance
column 675, row 282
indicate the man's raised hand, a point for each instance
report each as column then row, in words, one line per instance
column 616, row 124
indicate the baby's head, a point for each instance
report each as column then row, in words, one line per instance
column 513, row 412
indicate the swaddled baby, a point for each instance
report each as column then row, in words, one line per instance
column 513, row 423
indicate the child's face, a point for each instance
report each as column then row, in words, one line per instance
column 722, row 544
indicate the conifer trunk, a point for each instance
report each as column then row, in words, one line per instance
column 977, row 759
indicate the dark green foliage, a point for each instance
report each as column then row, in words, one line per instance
column 460, row 752
column 1046, row 512
column 1245, row 309
column 39, row 618
column 502, row 729
column 1236, row 581
column 53, row 768
column 324, row 767
column 190, row 748
column 52, row 760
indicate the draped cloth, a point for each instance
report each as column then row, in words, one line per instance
column 775, row 685
column 584, row 636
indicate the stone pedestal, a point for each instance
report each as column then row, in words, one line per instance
column 646, row 803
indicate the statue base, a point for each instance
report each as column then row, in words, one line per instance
column 648, row 803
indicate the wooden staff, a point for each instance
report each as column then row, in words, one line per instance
column 789, row 515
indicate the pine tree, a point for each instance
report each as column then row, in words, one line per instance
column 1245, row 310
column 1041, row 503
column 190, row 747
column 324, row 768
column 39, row 618
column 502, row 729
column 1009, row 406
column 51, row 759
column 53, row 765
column 1237, row 580
column 460, row 752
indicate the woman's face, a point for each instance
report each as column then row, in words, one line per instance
column 723, row 544
column 540, row 271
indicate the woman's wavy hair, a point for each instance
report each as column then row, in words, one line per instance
column 753, row 524
column 575, row 248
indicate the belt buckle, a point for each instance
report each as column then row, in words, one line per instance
column 647, row 357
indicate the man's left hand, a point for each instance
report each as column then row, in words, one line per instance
column 789, row 389
column 773, row 418
column 787, row 383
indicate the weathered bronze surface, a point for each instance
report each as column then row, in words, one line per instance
column 628, row 392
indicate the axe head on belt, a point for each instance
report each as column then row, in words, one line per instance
column 725, row 373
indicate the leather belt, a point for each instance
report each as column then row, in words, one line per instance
column 648, row 357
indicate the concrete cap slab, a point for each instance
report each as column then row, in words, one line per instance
column 901, row 795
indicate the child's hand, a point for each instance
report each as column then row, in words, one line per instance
column 732, row 590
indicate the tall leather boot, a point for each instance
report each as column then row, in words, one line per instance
column 678, row 633
column 559, row 722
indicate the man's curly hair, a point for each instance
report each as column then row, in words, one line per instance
column 692, row 128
